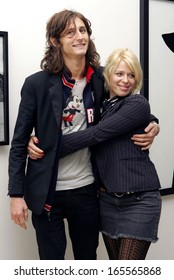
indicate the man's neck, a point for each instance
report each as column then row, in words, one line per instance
column 76, row 67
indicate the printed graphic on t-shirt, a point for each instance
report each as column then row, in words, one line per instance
column 70, row 111
column 75, row 115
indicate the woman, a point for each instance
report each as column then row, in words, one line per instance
column 130, row 201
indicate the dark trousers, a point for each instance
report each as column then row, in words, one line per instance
column 81, row 209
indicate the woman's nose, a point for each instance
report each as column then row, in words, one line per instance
column 125, row 78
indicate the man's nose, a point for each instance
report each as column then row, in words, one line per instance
column 78, row 34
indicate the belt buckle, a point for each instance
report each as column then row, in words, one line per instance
column 119, row 195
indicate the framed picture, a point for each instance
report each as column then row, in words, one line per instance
column 4, row 109
column 157, row 60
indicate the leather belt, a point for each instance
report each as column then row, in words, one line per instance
column 117, row 194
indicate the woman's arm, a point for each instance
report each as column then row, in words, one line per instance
column 144, row 140
column 133, row 113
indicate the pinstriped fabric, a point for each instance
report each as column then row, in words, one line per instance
column 126, row 114
column 122, row 165
column 130, row 170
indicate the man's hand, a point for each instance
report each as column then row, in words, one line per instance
column 145, row 140
column 19, row 211
column 33, row 151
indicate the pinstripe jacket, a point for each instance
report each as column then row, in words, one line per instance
column 122, row 165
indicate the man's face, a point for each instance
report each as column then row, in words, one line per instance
column 74, row 40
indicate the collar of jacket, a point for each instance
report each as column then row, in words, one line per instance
column 68, row 82
column 108, row 103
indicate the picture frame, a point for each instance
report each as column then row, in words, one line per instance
column 157, row 60
column 4, row 107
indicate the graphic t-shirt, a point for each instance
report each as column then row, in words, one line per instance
column 75, row 170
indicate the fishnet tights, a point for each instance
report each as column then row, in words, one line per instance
column 126, row 248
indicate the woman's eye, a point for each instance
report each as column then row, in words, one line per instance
column 119, row 74
column 131, row 76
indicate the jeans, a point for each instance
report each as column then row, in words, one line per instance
column 81, row 209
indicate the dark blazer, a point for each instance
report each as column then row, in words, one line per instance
column 41, row 108
column 122, row 165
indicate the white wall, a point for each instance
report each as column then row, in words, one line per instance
column 115, row 23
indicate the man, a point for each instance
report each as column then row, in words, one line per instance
column 65, row 97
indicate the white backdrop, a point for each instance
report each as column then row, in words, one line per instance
column 161, row 84
column 1, row 56
column 115, row 23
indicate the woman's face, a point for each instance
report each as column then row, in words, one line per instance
column 122, row 80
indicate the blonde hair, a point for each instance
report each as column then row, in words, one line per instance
column 130, row 59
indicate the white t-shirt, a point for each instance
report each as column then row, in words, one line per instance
column 75, row 170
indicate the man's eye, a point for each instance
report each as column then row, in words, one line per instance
column 70, row 33
column 83, row 30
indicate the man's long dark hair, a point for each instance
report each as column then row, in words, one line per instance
column 53, row 59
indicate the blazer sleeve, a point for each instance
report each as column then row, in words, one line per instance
column 23, row 129
column 134, row 112
column 154, row 119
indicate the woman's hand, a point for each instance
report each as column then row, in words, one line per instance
column 33, row 151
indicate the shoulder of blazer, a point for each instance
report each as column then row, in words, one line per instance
column 134, row 98
column 97, row 80
column 43, row 77
column 137, row 96
column 132, row 102
column 98, row 71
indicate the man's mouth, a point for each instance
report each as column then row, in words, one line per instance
column 79, row 45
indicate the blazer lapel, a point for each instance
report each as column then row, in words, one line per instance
column 56, row 95
column 98, row 91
